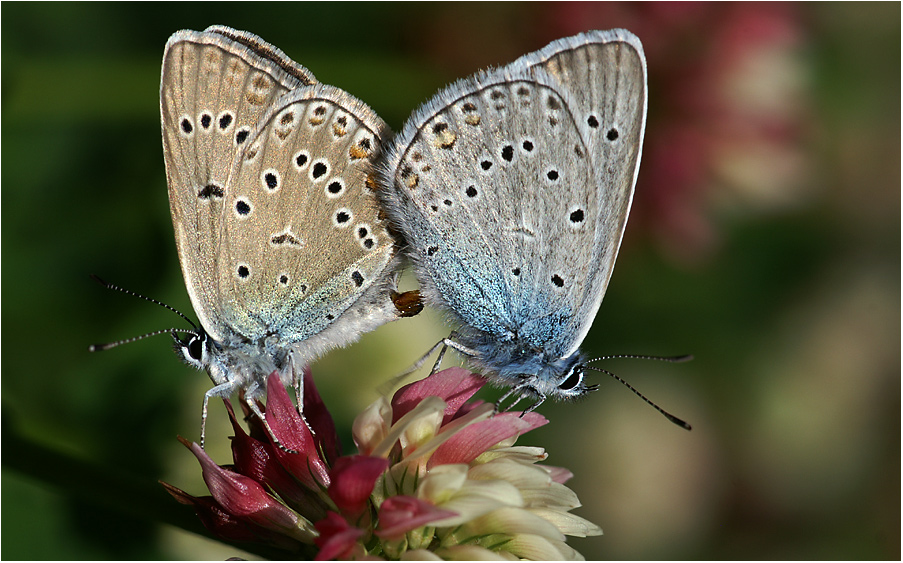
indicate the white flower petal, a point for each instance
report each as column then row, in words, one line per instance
column 419, row 555
column 569, row 524
column 371, row 426
column 476, row 498
column 511, row 521
column 538, row 548
column 467, row 508
column 498, row 490
column 470, row 553
column 555, row 495
column 520, row 475
column 570, row 554
column 421, row 428
column 523, row 454
column 442, row 482
column 428, row 409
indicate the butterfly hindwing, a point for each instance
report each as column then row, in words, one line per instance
column 304, row 238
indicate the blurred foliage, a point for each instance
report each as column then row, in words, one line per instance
column 777, row 265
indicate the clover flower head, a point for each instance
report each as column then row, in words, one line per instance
column 436, row 476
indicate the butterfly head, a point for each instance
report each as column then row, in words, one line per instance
column 234, row 362
column 535, row 372
column 193, row 348
column 563, row 380
column 199, row 350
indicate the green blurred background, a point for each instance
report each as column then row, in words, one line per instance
column 764, row 239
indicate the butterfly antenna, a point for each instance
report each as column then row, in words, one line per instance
column 138, row 295
column 667, row 415
column 99, row 347
column 671, row 359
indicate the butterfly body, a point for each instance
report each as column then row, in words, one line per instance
column 512, row 190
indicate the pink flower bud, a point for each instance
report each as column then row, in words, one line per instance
column 401, row 514
column 352, row 480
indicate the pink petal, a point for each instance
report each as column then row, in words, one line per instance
column 255, row 459
column 559, row 474
column 213, row 516
column 352, row 481
column 468, row 443
column 319, row 419
column 291, row 430
column 454, row 386
column 465, row 408
column 228, row 527
column 401, row 514
column 337, row 540
column 243, row 497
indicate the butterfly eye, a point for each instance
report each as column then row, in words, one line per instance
column 192, row 349
column 573, row 380
column 196, row 348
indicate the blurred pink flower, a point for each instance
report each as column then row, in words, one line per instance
column 436, row 476
column 728, row 111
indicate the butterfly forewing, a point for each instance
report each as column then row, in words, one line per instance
column 267, row 54
column 213, row 92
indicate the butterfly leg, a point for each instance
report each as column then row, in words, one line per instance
column 521, row 391
column 502, row 399
column 389, row 386
column 534, row 406
column 252, row 404
column 439, row 358
column 445, row 344
column 449, row 343
column 422, row 359
column 518, row 391
column 298, row 382
column 221, row 390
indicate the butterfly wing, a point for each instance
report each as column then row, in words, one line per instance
column 214, row 88
column 511, row 202
column 307, row 249
column 604, row 73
